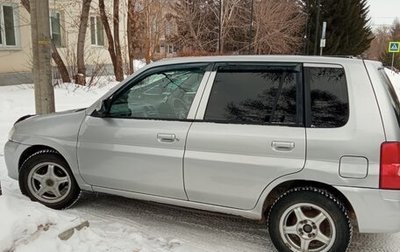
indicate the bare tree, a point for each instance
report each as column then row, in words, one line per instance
column 154, row 20
column 80, row 51
column 146, row 25
column 278, row 27
column 214, row 26
column 62, row 69
column 132, row 29
column 227, row 14
column 113, row 41
column 392, row 59
column 197, row 25
column 379, row 44
column 118, row 54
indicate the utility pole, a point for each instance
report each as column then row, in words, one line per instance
column 41, row 50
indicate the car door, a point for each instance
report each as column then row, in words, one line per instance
column 138, row 145
column 249, row 131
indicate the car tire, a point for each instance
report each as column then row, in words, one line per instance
column 309, row 219
column 46, row 177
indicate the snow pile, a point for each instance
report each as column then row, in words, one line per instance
column 394, row 77
column 27, row 227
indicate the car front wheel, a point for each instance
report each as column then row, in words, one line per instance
column 309, row 219
column 46, row 177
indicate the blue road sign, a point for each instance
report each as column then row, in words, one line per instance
column 394, row 47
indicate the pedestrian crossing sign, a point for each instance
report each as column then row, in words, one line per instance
column 394, row 47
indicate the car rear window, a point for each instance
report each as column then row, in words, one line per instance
column 328, row 97
column 394, row 99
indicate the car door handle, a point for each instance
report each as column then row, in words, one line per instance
column 166, row 138
column 282, row 146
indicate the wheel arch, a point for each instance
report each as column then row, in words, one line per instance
column 34, row 149
column 281, row 188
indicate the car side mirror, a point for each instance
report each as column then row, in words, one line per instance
column 104, row 108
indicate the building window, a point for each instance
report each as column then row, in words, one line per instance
column 96, row 31
column 8, row 26
column 170, row 49
column 56, row 29
column 162, row 46
column 168, row 28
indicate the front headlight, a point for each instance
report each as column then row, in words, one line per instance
column 11, row 133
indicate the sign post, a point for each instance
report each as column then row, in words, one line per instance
column 322, row 43
column 394, row 47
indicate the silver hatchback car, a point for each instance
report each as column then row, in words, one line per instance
column 311, row 145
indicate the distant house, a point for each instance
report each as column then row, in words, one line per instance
column 16, row 44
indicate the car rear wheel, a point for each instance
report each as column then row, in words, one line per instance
column 309, row 219
column 46, row 177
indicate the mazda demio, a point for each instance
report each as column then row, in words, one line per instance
column 310, row 145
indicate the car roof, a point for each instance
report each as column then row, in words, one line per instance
column 259, row 58
column 338, row 60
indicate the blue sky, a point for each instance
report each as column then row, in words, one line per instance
column 384, row 11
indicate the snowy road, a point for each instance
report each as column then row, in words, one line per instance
column 207, row 232
column 196, row 230
column 116, row 218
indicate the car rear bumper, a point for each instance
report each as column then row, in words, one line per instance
column 12, row 152
column 377, row 211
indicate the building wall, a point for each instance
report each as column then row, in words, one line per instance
column 15, row 62
column 70, row 11
column 17, row 59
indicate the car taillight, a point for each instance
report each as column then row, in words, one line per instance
column 390, row 166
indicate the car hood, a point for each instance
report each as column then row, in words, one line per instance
column 61, row 125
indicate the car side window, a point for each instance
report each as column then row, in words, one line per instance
column 258, row 96
column 162, row 95
column 328, row 96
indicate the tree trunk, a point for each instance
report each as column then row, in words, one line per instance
column 119, row 72
column 131, row 29
column 80, row 78
column 62, row 69
column 111, row 45
column 148, row 35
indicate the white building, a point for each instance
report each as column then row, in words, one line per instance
column 16, row 44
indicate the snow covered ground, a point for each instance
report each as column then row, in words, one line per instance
column 119, row 224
